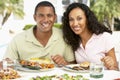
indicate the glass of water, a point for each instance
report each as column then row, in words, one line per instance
column 8, row 64
column 96, row 70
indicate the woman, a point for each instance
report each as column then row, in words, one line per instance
column 90, row 40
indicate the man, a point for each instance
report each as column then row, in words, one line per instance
column 42, row 40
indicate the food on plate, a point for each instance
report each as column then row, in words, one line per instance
column 41, row 60
column 60, row 77
column 9, row 73
column 85, row 65
column 35, row 64
column 81, row 66
column 77, row 68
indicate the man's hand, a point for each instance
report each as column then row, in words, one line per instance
column 59, row 60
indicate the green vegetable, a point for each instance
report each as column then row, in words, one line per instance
column 64, row 76
column 31, row 67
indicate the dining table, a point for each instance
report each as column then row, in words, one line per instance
column 27, row 75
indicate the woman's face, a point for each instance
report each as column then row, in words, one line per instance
column 77, row 21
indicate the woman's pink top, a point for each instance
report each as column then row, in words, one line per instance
column 95, row 49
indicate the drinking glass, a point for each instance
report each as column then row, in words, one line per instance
column 8, row 64
column 96, row 70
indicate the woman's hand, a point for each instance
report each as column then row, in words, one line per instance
column 59, row 60
column 109, row 63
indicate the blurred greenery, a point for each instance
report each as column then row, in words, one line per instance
column 117, row 24
column 27, row 26
column 106, row 10
column 8, row 7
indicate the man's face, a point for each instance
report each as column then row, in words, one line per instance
column 45, row 18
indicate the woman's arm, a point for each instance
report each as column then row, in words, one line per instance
column 110, row 60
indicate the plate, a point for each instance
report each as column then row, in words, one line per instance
column 70, row 68
column 20, row 68
column 35, row 65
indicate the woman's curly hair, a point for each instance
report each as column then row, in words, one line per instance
column 92, row 24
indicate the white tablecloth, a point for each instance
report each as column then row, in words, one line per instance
column 108, row 74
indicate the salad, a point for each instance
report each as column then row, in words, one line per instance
column 61, row 77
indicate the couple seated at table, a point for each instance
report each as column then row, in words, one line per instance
column 83, row 38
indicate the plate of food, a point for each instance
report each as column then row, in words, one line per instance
column 60, row 77
column 8, row 74
column 35, row 65
column 82, row 67
column 33, row 69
